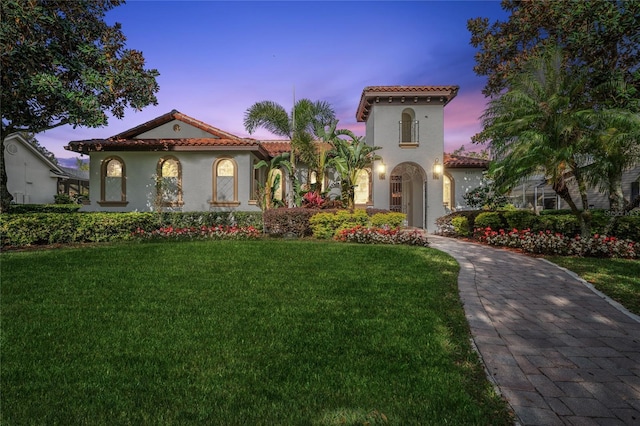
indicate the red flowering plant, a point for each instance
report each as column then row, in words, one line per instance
column 374, row 235
column 217, row 232
column 312, row 200
column 547, row 242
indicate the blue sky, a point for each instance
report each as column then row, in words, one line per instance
column 217, row 58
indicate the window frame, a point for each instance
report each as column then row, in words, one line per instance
column 214, row 197
column 123, row 183
column 165, row 203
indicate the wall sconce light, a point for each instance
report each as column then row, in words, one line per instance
column 382, row 170
column 437, row 169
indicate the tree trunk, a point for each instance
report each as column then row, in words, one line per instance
column 583, row 216
column 5, row 196
column 617, row 203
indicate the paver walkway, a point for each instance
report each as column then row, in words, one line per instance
column 559, row 353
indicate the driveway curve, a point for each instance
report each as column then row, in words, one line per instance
column 559, row 352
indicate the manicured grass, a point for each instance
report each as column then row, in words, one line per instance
column 617, row 278
column 235, row 333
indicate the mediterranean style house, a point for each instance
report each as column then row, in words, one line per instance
column 32, row 178
column 176, row 162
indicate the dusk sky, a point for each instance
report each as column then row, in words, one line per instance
column 217, row 58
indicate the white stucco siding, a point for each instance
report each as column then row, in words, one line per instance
column 464, row 180
column 29, row 178
column 386, row 134
column 197, row 179
column 169, row 130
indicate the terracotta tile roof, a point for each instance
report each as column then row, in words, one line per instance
column 459, row 161
column 276, row 147
column 404, row 94
column 127, row 141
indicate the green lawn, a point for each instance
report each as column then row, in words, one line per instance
column 617, row 278
column 236, row 333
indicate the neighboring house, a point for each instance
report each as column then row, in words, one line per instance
column 31, row 177
column 537, row 192
column 175, row 162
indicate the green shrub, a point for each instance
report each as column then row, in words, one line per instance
column 461, row 226
column 491, row 220
column 628, row 227
column 294, row 221
column 326, row 225
column 189, row 219
column 44, row 208
column 390, row 219
column 63, row 199
column 445, row 226
column 519, row 219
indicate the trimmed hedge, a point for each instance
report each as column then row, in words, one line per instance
column 327, row 225
column 44, row 208
column 27, row 229
column 626, row 227
column 284, row 221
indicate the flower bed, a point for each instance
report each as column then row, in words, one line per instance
column 554, row 243
column 373, row 235
column 218, row 232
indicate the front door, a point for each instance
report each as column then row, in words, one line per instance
column 407, row 192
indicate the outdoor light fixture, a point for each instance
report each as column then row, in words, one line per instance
column 382, row 170
column 437, row 169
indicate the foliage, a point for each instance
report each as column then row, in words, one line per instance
column 43, row 208
column 63, row 199
column 157, row 333
column 348, row 158
column 387, row 219
column 325, row 225
column 373, row 235
column 298, row 126
column 55, row 228
column 288, row 222
column 485, row 196
column 267, row 193
column 519, row 219
column 445, row 226
column 548, row 242
column 312, row 200
column 601, row 36
column 63, row 64
column 461, row 226
column 489, row 220
column 483, row 154
column 216, row 232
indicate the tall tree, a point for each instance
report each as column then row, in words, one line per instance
column 538, row 127
column 62, row 64
column 601, row 36
column 602, row 39
column 298, row 126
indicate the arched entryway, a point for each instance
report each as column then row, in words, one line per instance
column 407, row 192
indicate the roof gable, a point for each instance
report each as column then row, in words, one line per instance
column 174, row 125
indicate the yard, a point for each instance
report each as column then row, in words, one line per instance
column 228, row 332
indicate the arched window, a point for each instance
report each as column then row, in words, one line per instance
column 113, row 188
column 362, row 190
column 169, row 182
column 225, row 182
column 408, row 127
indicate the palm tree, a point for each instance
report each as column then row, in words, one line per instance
column 298, row 126
column 266, row 194
column 538, row 127
column 321, row 160
column 348, row 158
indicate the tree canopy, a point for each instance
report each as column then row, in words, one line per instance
column 600, row 36
column 63, row 64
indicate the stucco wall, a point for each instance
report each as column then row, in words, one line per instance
column 197, row 179
column 463, row 181
column 29, row 178
column 382, row 130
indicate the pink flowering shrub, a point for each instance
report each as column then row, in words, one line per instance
column 373, row 235
column 554, row 243
column 217, row 232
